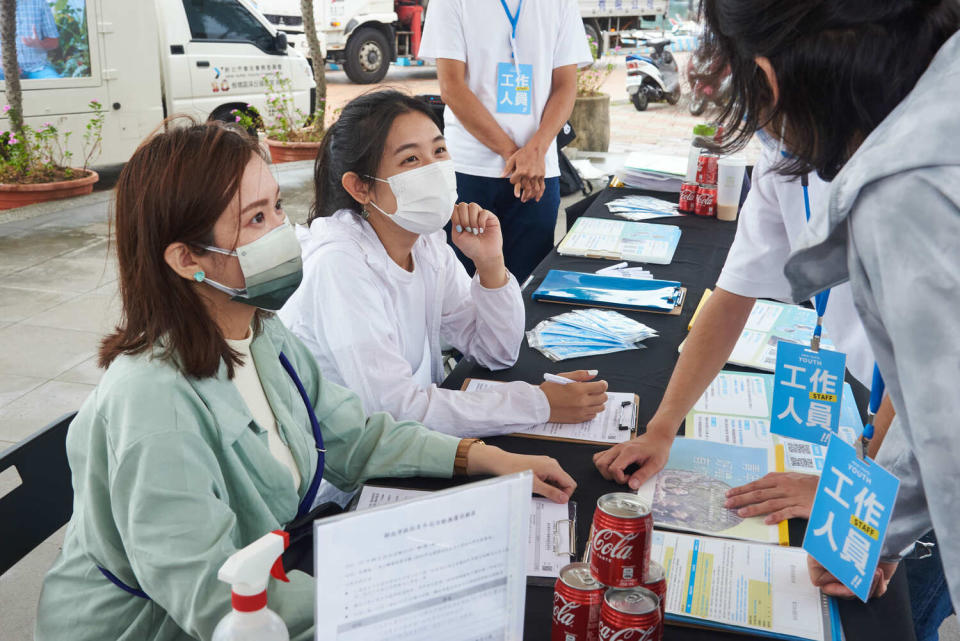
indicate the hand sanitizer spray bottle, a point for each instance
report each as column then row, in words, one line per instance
column 248, row 571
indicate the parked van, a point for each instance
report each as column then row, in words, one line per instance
column 146, row 60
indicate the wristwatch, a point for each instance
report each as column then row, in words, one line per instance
column 460, row 460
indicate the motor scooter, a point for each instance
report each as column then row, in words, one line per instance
column 653, row 77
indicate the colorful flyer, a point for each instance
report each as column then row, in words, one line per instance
column 807, row 389
column 850, row 515
column 690, row 492
column 769, row 324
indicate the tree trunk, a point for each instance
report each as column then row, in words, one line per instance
column 11, row 68
column 316, row 61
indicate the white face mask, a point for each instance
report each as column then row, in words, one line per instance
column 425, row 197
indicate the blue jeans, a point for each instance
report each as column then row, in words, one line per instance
column 527, row 227
column 929, row 597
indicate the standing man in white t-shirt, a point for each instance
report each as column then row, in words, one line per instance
column 508, row 75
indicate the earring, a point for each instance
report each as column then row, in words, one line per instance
column 364, row 213
column 199, row 276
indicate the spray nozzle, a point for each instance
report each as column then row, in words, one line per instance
column 249, row 570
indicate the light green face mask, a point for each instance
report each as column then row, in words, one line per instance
column 272, row 269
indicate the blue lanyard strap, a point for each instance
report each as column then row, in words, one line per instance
column 877, row 388
column 820, row 299
column 311, row 494
column 513, row 18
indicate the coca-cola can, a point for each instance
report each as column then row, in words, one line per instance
column 706, row 201
column 620, row 547
column 577, row 597
column 688, row 197
column 631, row 614
column 655, row 580
column 708, row 168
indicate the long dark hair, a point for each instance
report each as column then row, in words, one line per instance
column 355, row 143
column 842, row 66
column 173, row 189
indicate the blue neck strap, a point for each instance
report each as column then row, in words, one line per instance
column 823, row 297
column 513, row 18
column 311, row 494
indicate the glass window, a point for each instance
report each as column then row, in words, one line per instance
column 226, row 20
column 52, row 39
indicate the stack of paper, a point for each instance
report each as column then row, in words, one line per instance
column 587, row 332
column 642, row 208
column 654, row 171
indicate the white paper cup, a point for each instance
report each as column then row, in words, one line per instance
column 731, row 170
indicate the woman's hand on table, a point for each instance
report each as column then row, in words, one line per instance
column 650, row 451
column 575, row 402
column 549, row 479
column 831, row 586
column 780, row 495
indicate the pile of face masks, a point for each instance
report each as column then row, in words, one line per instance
column 587, row 332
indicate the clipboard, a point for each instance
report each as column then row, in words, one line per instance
column 630, row 421
column 676, row 311
column 611, row 292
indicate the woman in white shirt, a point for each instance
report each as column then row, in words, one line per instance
column 382, row 290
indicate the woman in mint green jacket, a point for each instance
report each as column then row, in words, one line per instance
column 212, row 424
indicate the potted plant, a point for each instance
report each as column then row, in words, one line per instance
column 591, row 111
column 290, row 134
column 36, row 164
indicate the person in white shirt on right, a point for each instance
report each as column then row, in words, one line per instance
column 771, row 222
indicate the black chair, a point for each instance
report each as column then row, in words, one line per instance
column 43, row 502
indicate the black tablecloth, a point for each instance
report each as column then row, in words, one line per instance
column 696, row 264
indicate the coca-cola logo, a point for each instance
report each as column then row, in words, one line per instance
column 563, row 610
column 613, row 544
column 628, row 634
column 705, row 198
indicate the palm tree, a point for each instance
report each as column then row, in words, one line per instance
column 11, row 67
column 316, row 60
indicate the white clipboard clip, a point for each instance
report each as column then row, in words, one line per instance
column 571, row 538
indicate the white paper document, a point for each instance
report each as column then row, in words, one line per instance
column 764, row 589
column 549, row 542
column 620, row 410
column 448, row 566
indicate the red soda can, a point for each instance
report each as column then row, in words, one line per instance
column 706, row 201
column 708, row 169
column 620, row 547
column 577, row 597
column 688, row 197
column 655, row 580
column 631, row 614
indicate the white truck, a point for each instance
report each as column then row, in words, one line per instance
column 365, row 36
column 202, row 58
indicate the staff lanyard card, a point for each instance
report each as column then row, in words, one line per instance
column 849, row 518
column 514, row 93
column 807, row 388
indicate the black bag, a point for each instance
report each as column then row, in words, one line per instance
column 570, row 179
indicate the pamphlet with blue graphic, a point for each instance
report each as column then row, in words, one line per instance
column 690, row 492
column 761, row 590
column 621, row 240
column 736, row 409
column 769, row 324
